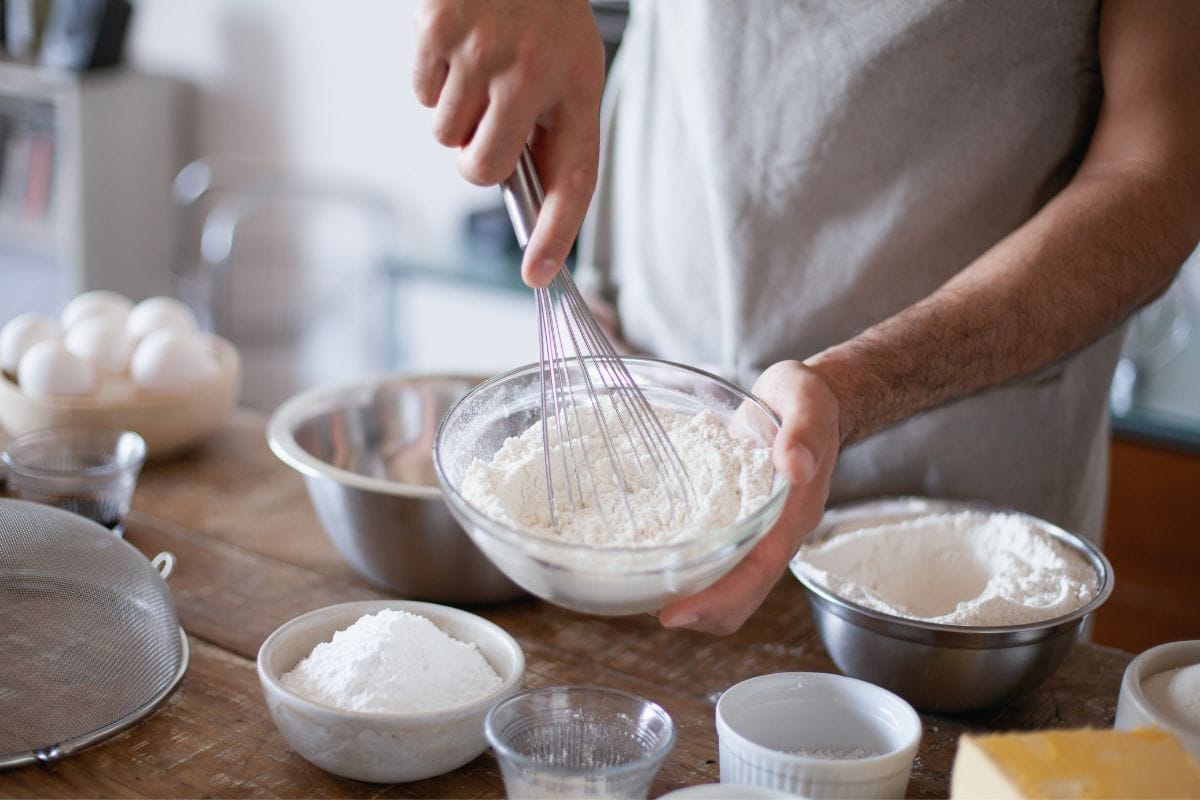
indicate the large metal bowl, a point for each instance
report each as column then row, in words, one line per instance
column 365, row 451
column 936, row 667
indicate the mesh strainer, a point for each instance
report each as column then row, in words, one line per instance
column 89, row 639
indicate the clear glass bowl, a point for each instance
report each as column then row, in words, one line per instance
column 602, row 580
column 88, row 471
column 578, row 741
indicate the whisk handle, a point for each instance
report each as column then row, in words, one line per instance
column 523, row 197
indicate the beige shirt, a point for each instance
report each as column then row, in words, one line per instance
column 779, row 175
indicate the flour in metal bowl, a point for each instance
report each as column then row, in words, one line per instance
column 969, row 568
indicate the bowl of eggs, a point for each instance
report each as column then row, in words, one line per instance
column 108, row 362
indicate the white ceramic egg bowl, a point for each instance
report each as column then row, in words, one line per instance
column 170, row 422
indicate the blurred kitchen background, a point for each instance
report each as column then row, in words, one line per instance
column 265, row 160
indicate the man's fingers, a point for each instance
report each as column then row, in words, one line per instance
column 723, row 607
column 429, row 75
column 810, row 419
column 566, row 157
column 462, row 102
column 491, row 155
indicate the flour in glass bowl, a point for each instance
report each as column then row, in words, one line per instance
column 731, row 477
column 969, row 568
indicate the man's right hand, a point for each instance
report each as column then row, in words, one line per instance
column 499, row 73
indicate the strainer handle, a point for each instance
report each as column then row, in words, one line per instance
column 164, row 562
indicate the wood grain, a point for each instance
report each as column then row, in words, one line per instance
column 1152, row 538
column 251, row 555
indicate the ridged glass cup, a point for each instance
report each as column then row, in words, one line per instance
column 578, row 741
column 88, row 471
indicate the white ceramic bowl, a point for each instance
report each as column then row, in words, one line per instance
column 601, row 580
column 762, row 721
column 170, row 422
column 384, row 748
column 727, row 791
column 1134, row 709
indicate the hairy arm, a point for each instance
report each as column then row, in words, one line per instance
column 1108, row 243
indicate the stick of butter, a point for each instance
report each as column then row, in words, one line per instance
column 1074, row 764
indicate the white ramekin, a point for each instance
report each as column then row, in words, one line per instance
column 1134, row 709
column 761, row 721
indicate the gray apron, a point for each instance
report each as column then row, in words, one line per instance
column 779, row 176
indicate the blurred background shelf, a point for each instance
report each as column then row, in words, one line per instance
column 86, row 162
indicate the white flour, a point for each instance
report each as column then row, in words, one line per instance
column 969, row 568
column 1176, row 693
column 834, row 753
column 392, row 661
column 731, row 478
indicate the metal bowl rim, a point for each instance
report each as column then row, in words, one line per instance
column 733, row 535
column 281, row 437
column 1095, row 557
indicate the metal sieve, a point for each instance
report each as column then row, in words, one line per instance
column 89, row 639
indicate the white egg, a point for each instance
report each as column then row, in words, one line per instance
column 103, row 342
column 100, row 303
column 169, row 360
column 158, row 313
column 49, row 368
column 21, row 333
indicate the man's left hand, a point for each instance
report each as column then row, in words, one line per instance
column 805, row 451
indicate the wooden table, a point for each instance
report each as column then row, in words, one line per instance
column 251, row 555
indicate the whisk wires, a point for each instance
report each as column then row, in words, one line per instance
column 582, row 378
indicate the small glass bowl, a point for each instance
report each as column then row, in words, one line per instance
column 578, row 741
column 88, row 471
column 602, row 580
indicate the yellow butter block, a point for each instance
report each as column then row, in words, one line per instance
column 1074, row 764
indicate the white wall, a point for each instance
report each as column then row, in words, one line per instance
column 323, row 88
column 320, row 86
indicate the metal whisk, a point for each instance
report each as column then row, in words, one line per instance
column 582, row 375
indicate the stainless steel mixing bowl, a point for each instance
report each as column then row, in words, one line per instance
column 365, row 451
column 943, row 667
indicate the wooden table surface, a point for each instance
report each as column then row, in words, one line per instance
column 251, row 555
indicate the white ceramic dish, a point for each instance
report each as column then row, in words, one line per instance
column 170, row 422
column 762, row 721
column 384, row 748
column 728, row 791
column 1134, row 709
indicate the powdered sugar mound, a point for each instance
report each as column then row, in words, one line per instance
column 1176, row 693
column 731, row 478
column 392, row 661
column 969, row 568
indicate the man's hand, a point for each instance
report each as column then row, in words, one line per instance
column 500, row 73
column 804, row 451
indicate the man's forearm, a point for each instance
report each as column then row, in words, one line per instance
column 1108, row 243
